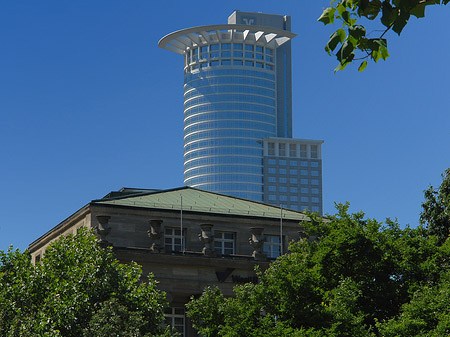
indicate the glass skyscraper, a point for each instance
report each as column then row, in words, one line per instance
column 237, row 95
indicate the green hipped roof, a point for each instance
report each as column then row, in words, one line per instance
column 200, row 201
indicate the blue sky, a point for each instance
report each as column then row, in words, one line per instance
column 89, row 104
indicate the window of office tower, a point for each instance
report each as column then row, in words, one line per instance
column 237, row 54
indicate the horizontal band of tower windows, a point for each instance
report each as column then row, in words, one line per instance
column 230, row 187
column 257, row 165
column 232, row 169
column 223, row 151
column 239, row 148
column 207, row 90
column 250, row 107
column 220, row 160
column 222, row 141
column 224, row 112
column 229, row 98
column 213, row 73
column 203, row 135
column 235, row 159
column 224, row 178
column 229, row 115
column 230, row 124
column 234, row 80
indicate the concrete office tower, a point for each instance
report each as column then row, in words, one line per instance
column 237, row 93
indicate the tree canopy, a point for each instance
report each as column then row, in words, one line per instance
column 353, row 277
column 353, row 42
column 77, row 289
column 436, row 208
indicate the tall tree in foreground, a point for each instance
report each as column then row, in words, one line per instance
column 353, row 42
column 77, row 289
column 348, row 279
column 436, row 208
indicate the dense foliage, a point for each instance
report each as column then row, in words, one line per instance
column 352, row 277
column 77, row 289
column 436, row 208
column 353, row 40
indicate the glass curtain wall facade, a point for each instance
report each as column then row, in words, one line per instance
column 230, row 104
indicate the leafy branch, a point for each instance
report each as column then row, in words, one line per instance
column 352, row 38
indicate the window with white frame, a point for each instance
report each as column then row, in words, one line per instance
column 282, row 149
column 271, row 149
column 224, row 242
column 173, row 240
column 272, row 247
column 293, row 150
column 303, row 151
column 314, row 151
column 175, row 318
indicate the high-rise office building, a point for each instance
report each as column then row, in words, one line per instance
column 237, row 102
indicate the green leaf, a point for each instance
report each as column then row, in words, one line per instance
column 346, row 16
column 335, row 38
column 384, row 52
column 363, row 4
column 362, row 66
column 357, row 31
column 418, row 11
column 401, row 21
column 341, row 34
column 341, row 9
column 345, row 51
column 327, row 16
column 371, row 11
column 389, row 14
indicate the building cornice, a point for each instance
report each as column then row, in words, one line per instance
column 184, row 39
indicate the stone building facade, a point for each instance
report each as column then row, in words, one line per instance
column 187, row 238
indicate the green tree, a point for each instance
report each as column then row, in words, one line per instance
column 352, row 41
column 436, row 208
column 77, row 289
column 427, row 314
column 350, row 275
